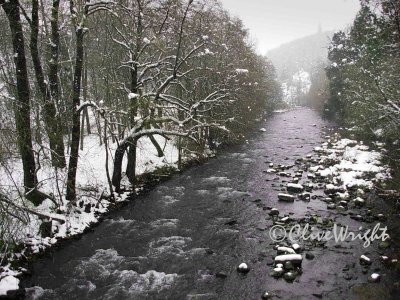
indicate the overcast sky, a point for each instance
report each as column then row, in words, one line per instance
column 273, row 22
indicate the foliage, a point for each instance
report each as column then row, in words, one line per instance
column 364, row 72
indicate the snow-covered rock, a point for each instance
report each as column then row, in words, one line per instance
column 243, row 268
column 375, row 277
column 285, row 250
column 364, row 260
column 8, row 283
column 294, row 188
column 294, row 258
column 274, row 212
column 285, row 197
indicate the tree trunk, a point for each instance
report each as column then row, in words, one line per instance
column 52, row 122
column 131, row 166
column 117, row 172
column 22, row 106
column 133, row 109
column 110, row 186
column 133, row 105
column 160, row 152
column 76, row 122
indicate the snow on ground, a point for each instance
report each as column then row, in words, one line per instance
column 355, row 164
column 91, row 182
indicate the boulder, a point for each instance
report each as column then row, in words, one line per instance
column 289, row 276
column 274, row 212
column 296, row 259
column 294, row 188
column 243, row 268
column 286, row 197
column 364, row 260
column 375, row 277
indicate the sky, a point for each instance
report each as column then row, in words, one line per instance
column 274, row 22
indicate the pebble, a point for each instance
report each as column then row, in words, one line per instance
column 294, row 188
column 294, row 258
column 381, row 217
column 310, row 256
column 305, row 196
column 340, row 208
column 285, row 250
column 221, row 275
column 277, row 272
column 285, row 197
column 364, row 260
column 296, row 247
column 266, row 295
column 285, row 220
column 375, row 277
column 331, row 206
column 289, row 276
column 274, row 212
column 288, row 265
column 359, row 201
column 243, row 268
column 384, row 245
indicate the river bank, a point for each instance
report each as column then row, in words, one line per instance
column 185, row 238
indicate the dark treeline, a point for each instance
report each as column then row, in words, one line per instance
column 123, row 70
column 364, row 72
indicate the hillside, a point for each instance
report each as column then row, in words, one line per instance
column 296, row 63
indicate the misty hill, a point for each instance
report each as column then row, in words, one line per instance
column 298, row 63
column 301, row 54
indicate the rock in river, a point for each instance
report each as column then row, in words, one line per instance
column 274, row 212
column 294, row 188
column 296, row 259
column 277, row 272
column 285, row 250
column 266, row 295
column 285, row 197
column 243, row 268
column 364, row 260
column 374, row 277
column 289, row 276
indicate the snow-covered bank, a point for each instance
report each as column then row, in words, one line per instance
column 66, row 220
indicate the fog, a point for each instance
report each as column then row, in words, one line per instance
column 272, row 23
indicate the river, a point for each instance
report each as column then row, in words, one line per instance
column 185, row 238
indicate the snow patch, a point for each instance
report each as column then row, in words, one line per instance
column 8, row 283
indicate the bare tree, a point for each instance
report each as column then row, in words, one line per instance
column 49, row 92
column 79, row 14
column 22, row 106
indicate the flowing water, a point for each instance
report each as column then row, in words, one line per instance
column 184, row 239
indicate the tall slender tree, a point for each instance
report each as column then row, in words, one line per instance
column 22, row 106
column 49, row 92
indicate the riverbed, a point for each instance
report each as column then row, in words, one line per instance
column 185, row 238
